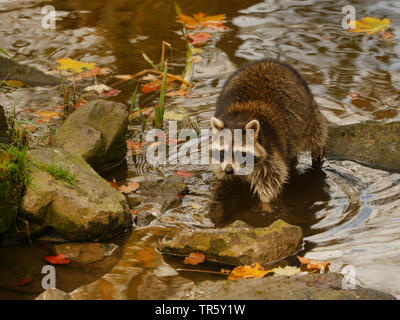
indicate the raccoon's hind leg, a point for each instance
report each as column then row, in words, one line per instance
column 319, row 135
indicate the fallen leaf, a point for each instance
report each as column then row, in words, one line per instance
column 312, row 266
column 171, row 115
column 245, row 272
column 182, row 173
column 129, row 188
column 124, row 77
column 202, row 20
column 194, row 258
column 133, row 212
column 96, row 71
column 58, row 259
column 110, row 93
column 99, row 88
column 78, row 104
column 74, row 65
column 136, row 147
column 199, row 38
column 114, row 184
column 48, row 114
column 25, row 281
column 179, row 92
column 286, row 271
column 371, row 25
column 14, row 83
column 386, row 35
column 196, row 59
column 353, row 95
column 145, row 111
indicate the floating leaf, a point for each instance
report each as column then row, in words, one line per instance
column 182, row 173
column 58, row 259
column 353, row 95
column 14, row 83
column 313, row 265
column 371, row 25
column 96, row 71
column 245, row 272
column 199, row 38
column 194, row 258
column 129, row 188
column 74, row 65
column 180, row 92
column 202, row 20
column 136, row 147
column 110, row 93
column 25, row 281
column 386, row 35
column 171, row 115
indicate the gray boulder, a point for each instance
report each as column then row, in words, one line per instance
column 90, row 209
column 238, row 243
column 96, row 132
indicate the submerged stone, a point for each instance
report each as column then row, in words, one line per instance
column 238, row 243
column 373, row 143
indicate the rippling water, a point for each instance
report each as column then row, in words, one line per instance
column 349, row 213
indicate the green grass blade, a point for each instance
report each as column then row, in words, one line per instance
column 5, row 53
column 149, row 61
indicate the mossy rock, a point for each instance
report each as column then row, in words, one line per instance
column 14, row 176
column 238, row 243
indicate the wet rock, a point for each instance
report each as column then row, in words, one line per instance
column 14, row 173
column 4, row 137
column 88, row 210
column 238, row 243
column 373, row 143
column 85, row 252
column 326, row 286
column 53, row 294
column 15, row 71
column 96, row 132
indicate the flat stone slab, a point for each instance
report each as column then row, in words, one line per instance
column 238, row 243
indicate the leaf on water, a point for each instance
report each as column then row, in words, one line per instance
column 103, row 90
column 312, row 266
column 178, row 93
column 171, row 115
column 135, row 147
column 114, row 184
column 14, row 83
column 96, row 71
column 124, row 77
column 182, row 173
column 202, row 20
column 145, row 111
column 25, row 281
column 58, row 259
column 129, row 188
column 386, row 35
column 371, row 25
column 74, row 65
column 245, row 272
column 110, row 93
column 286, row 271
column 47, row 116
column 199, row 38
column 194, row 258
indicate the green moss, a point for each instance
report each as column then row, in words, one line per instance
column 57, row 172
column 14, row 178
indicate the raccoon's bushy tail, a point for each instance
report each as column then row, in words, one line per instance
column 318, row 136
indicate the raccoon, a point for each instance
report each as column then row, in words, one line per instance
column 274, row 101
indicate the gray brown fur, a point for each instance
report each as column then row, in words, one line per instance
column 290, row 122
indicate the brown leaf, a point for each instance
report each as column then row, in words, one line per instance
column 199, row 38
column 194, row 258
column 129, row 188
column 245, row 272
column 313, row 265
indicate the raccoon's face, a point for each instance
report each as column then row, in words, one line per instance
column 236, row 151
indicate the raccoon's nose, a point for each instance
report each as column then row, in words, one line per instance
column 228, row 170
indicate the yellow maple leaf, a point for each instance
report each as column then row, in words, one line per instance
column 371, row 25
column 202, row 20
column 245, row 272
column 74, row 65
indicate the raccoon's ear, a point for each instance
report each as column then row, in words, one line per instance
column 255, row 125
column 216, row 124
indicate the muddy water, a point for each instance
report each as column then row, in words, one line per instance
column 349, row 213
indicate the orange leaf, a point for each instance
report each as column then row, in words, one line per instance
column 194, row 258
column 182, row 173
column 25, row 281
column 199, row 38
column 113, row 184
column 201, row 20
column 58, row 259
column 129, row 188
column 245, row 272
column 136, row 147
column 314, row 265
column 78, row 104
column 179, row 92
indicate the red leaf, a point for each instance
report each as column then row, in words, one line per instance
column 110, row 93
column 25, row 281
column 182, row 173
column 180, row 196
column 151, row 86
column 58, row 259
column 78, row 104
column 133, row 212
column 199, row 38
column 114, row 184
